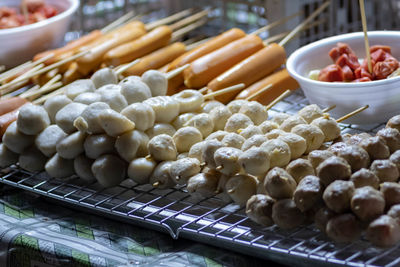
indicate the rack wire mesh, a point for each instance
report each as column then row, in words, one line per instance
column 211, row 220
column 214, row 220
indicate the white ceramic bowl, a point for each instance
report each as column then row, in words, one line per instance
column 382, row 96
column 18, row 45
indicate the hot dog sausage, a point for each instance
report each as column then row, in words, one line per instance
column 157, row 59
column 175, row 84
column 72, row 46
column 280, row 80
column 249, row 70
column 208, row 47
column 207, row 67
column 7, row 105
column 94, row 58
column 147, row 43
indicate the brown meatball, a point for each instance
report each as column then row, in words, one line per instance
column 343, row 228
column 299, row 169
column 343, row 138
column 318, row 156
column 365, row 177
column 357, row 138
column 333, row 168
column 391, row 193
column 286, row 215
column 384, row 231
column 279, row 184
column 376, row 148
column 392, row 138
column 367, row 203
column 356, row 156
column 336, row 147
column 259, row 209
column 394, row 122
column 395, row 158
column 308, row 193
column 322, row 217
column 385, row 170
column 394, row 212
column 338, row 194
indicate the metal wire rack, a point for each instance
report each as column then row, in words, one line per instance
column 210, row 220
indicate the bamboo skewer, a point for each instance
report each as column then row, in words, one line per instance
column 329, row 108
column 43, row 99
column 189, row 20
column 351, row 114
column 276, row 23
column 117, row 22
column 5, row 75
column 259, row 92
column 19, row 81
column 123, row 68
column 278, row 99
column 196, row 44
column 366, row 41
column 169, row 19
column 33, row 94
column 300, row 27
column 179, row 33
column 225, row 90
column 176, row 71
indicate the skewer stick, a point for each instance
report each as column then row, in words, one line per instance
column 176, row 71
column 189, row 20
column 351, row 114
column 300, row 27
column 9, row 95
column 19, row 81
column 196, row 44
column 203, row 90
column 117, row 22
column 276, row 23
column 126, row 66
column 278, row 99
column 329, row 108
column 33, row 94
column 169, row 19
column 43, row 99
column 225, row 90
column 46, row 69
column 259, row 92
column 25, row 12
column 179, row 33
column 366, row 41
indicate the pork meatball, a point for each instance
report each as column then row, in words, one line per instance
column 202, row 184
column 83, row 168
column 313, row 135
column 376, row 148
column 241, row 187
column 385, row 170
column 291, row 122
column 104, row 76
column 355, row 139
column 162, row 148
column 337, row 195
column 237, row 121
column 109, row 170
column 296, row 143
column 367, row 203
column 254, row 141
column 343, row 228
column 322, row 217
column 233, row 140
column 308, row 193
column 357, row 157
column 32, row 119
column 48, row 139
column 250, row 131
column 268, row 126
column 259, row 209
column 7, row 157
column 286, row 214
column 32, row 160
column 279, row 152
column 394, row 122
column 218, row 135
column 186, row 137
column 15, row 140
column 226, row 159
column 395, row 158
column 333, row 168
column 391, row 193
column 391, row 136
column 384, row 231
column 394, row 212
column 310, row 113
column 182, row 169
column 255, row 111
column 208, row 150
column 54, row 104
column 328, row 126
column 365, row 177
column 316, row 157
column 58, row 167
column 279, row 118
column 279, row 184
column 255, row 161
column 220, row 116
column 299, row 169
column 235, row 105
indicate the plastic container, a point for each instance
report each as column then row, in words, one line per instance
column 382, row 96
column 20, row 44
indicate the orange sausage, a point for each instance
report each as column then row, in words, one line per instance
column 206, row 68
column 250, row 70
column 7, row 105
column 164, row 68
column 208, row 47
column 175, row 84
column 94, row 58
column 148, row 43
column 157, row 59
column 280, row 80
column 72, row 74
column 72, row 46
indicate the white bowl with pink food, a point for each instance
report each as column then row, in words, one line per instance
column 382, row 96
column 20, row 44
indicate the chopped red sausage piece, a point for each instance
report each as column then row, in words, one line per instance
column 384, row 68
column 331, row 73
column 363, row 79
column 383, row 47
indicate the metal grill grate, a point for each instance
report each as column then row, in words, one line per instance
column 210, row 220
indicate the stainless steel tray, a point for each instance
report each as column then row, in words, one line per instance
column 210, row 220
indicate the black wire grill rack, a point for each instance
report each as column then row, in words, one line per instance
column 215, row 220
